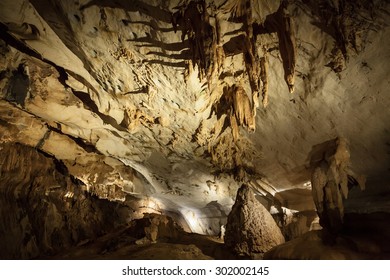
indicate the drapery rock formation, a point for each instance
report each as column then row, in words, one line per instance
column 155, row 106
column 250, row 230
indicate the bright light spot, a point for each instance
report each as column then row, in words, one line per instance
column 307, row 185
column 150, row 205
column 69, row 194
column 273, row 210
column 192, row 220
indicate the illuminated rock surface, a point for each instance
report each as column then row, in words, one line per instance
column 167, row 107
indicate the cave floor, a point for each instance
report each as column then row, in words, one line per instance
column 366, row 237
column 119, row 245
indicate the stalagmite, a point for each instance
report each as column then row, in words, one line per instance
column 330, row 184
column 250, row 230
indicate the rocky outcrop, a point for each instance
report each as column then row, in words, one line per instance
column 250, row 230
column 43, row 210
column 153, row 227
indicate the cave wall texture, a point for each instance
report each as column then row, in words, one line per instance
column 168, row 106
column 43, row 210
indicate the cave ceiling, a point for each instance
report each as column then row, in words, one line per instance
column 181, row 101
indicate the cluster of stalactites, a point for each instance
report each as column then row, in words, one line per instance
column 257, row 66
column 236, row 105
column 194, row 22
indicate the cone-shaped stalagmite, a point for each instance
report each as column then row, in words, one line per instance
column 251, row 230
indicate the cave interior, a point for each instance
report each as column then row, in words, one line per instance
column 195, row 129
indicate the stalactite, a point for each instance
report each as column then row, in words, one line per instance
column 228, row 150
column 235, row 104
column 193, row 20
column 288, row 50
column 252, row 65
column 218, row 48
column 242, row 108
column 264, row 79
column 242, row 10
column 235, row 128
column 283, row 24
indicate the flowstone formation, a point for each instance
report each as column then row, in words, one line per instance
column 250, row 230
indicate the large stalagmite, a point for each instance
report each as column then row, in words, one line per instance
column 250, row 229
column 331, row 180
